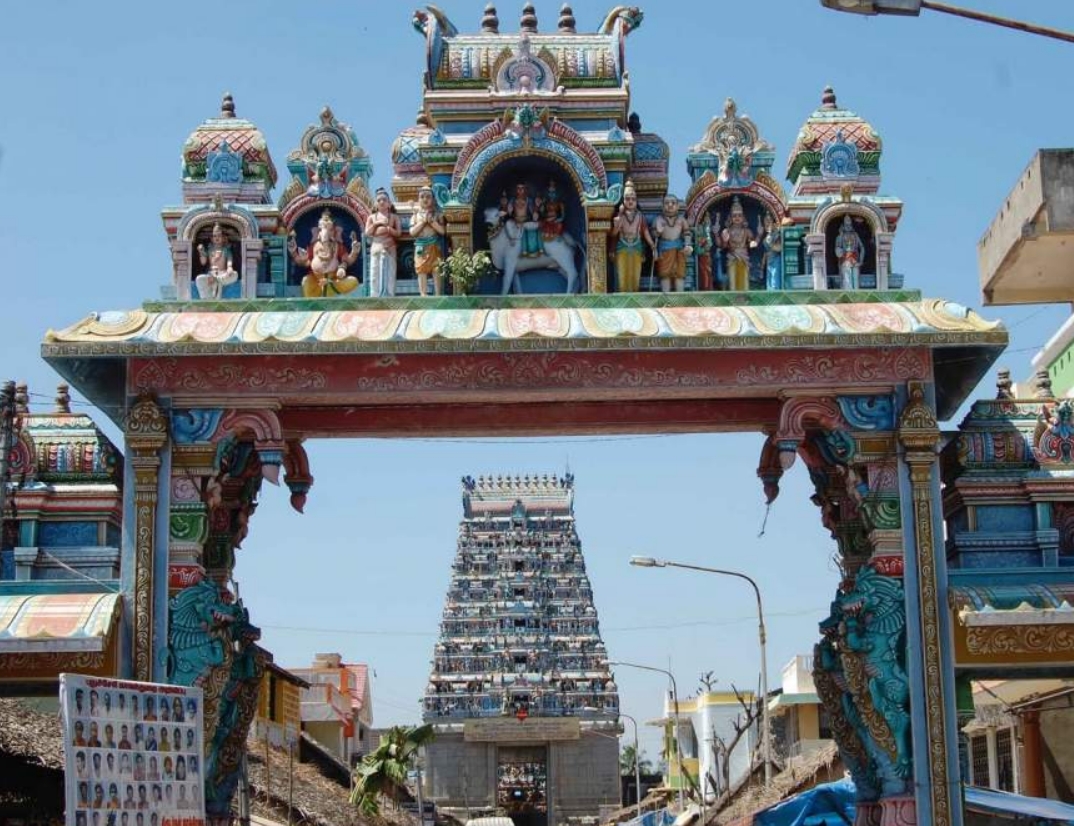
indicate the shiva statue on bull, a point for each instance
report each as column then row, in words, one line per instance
column 527, row 232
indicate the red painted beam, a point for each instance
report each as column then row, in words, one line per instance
column 554, row 418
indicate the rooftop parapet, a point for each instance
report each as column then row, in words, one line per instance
column 1024, row 256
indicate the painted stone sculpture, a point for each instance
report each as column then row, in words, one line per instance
column 326, row 260
column 518, row 244
column 703, row 246
column 875, row 639
column 672, row 246
column 211, row 645
column 220, row 264
column 630, row 230
column 850, row 251
column 427, row 230
column 772, row 242
column 383, row 229
column 737, row 239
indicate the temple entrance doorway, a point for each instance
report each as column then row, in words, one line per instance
column 522, row 784
column 552, row 196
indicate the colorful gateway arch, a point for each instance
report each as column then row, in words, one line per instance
column 783, row 316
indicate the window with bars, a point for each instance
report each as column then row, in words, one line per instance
column 1005, row 760
column 979, row 760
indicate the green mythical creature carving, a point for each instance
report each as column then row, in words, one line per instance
column 875, row 637
column 238, row 704
column 846, row 722
column 210, row 645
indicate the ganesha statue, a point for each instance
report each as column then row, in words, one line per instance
column 327, row 258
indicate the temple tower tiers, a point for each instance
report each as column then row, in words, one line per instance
column 520, row 690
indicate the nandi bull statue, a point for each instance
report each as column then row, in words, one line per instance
column 527, row 234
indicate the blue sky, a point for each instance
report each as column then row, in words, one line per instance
column 97, row 100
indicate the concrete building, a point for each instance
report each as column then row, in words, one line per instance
column 797, row 714
column 524, row 706
column 706, row 733
column 337, row 707
column 1026, row 255
column 1021, row 737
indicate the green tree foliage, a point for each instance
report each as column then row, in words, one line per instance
column 383, row 772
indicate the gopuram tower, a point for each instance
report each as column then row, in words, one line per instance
column 520, row 692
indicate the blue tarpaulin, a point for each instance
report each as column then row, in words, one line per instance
column 1005, row 803
column 828, row 804
column 832, row 804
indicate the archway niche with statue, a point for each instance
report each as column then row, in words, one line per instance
column 546, row 249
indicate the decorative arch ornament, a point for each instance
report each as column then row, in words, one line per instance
column 831, row 210
column 236, row 216
column 707, row 190
column 535, row 132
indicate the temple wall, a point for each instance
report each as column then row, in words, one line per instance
column 585, row 775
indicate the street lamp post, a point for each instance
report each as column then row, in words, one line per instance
column 637, row 764
column 675, row 700
column 913, row 8
column 766, row 735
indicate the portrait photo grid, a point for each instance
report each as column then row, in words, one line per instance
column 133, row 753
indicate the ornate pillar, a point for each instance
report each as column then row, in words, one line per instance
column 598, row 225
column 459, row 229
column 849, row 445
column 883, row 258
column 931, row 674
column 146, row 434
column 220, row 459
column 814, row 248
column 181, row 268
column 252, row 248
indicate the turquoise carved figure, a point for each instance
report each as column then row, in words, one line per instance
column 875, row 628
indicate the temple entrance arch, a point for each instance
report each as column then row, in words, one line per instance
column 547, row 180
column 216, row 401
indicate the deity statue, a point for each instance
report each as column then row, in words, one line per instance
column 427, row 228
column 629, row 229
column 326, row 259
column 849, row 251
column 737, row 239
column 323, row 182
column 703, row 245
column 719, row 277
column 221, row 266
column 553, row 213
column 672, row 246
column 772, row 243
column 736, row 166
column 383, row 229
column 524, row 212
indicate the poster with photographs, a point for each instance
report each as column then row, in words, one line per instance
column 133, row 753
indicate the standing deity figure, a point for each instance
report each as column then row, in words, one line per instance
column 427, row 228
column 719, row 276
column 221, row 266
column 772, row 242
column 326, row 259
column 629, row 229
column 672, row 246
column 383, row 229
column 524, row 212
column 849, row 250
column 737, row 239
column 703, row 246
column 553, row 212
